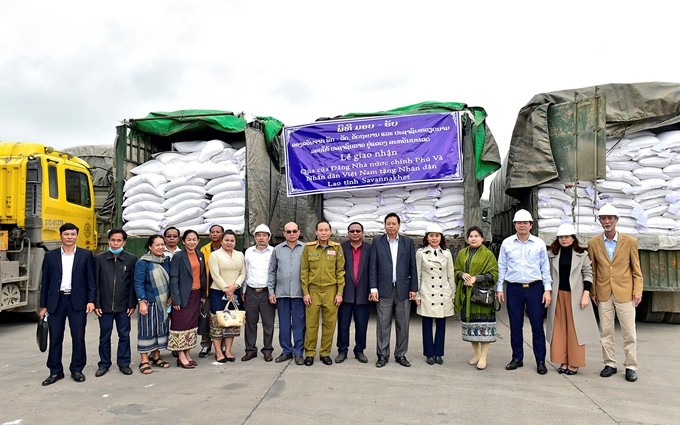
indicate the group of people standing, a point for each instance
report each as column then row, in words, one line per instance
column 325, row 284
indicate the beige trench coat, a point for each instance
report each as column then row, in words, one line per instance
column 436, row 282
column 584, row 319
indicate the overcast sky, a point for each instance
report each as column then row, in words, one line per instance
column 71, row 70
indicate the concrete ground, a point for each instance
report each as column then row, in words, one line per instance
column 257, row 392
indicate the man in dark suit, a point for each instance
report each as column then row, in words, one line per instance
column 394, row 282
column 67, row 290
column 355, row 295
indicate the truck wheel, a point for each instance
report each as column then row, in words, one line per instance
column 10, row 295
column 672, row 318
column 644, row 311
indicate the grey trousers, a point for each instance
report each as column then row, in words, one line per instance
column 257, row 305
column 388, row 307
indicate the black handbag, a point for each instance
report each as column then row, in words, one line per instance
column 485, row 296
column 204, row 320
column 41, row 334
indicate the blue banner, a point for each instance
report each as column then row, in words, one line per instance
column 362, row 153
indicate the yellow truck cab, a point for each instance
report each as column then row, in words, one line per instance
column 40, row 189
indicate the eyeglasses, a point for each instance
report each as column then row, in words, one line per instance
column 355, row 231
column 291, row 232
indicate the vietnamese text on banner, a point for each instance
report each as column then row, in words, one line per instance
column 378, row 151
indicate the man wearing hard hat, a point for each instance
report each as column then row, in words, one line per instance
column 617, row 290
column 256, row 296
column 524, row 268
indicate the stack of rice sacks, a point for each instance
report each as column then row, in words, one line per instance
column 642, row 182
column 193, row 187
column 417, row 206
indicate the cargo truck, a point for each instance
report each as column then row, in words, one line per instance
column 40, row 189
column 567, row 139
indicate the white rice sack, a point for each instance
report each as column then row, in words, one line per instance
column 622, row 202
column 189, row 223
column 233, row 222
column 173, row 169
column 386, row 209
column 344, row 194
column 230, row 202
column 652, row 194
column 391, row 201
column 650, row 173
column 649, row 184
column 186, row 181
column 623, row 176
column 369, row 200
column 187, row 203
column 212, row 170
column 340, row 227
column 226, row 155
column 153, row 197
column 447, row 211
column 142, row 215
column 188, row 147
column 148, row 167
column 153, row 179
column 338, row 210
column 622, row 165
column 223, row 179
column 662, row 223
column 672, row 170
column 210, row 149
column 668, row 140
column 362, row 218
column 239, row 155
column 184, row 189
column 395, row 191
column 149, row 206
column 141, row 227
column 225, row 212
column 616, row 142
column 334, row 217
column 415, row 227
column 201, row 229
column 170, row 202
column 641, row 142
column 654, row 161
column 550, row 222
column 431, row 192
column 550, row 213
column 337, row 202
column 228, row 187
column 656, row 211
column 451, row 217
column 361, row 209
column 183, row 216
column 418, row 209
column 452, row 190
column 553, row 203
column 583, row 210
column 166, row 157
column 548, row 192
column 449, row 200
column 612, row 186
column 373, row 227
column 144, row 188
column 230, row 194
column 621, row 155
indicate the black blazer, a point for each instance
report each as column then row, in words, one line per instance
column 358, row 295
column 83, row 285
column 380, row 266
column 181, row 277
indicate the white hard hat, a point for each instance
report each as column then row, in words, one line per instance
column 523, row 215
column 263, row 228
column 433, row 228
column 566, row 229
column 608, row 209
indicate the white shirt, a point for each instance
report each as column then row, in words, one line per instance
column 394, row 247
column 257, row 266
column 67, row 269
column 169, row 254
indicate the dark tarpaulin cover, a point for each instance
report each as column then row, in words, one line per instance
column 629, row 108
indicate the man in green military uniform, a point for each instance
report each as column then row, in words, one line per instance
column 322, row 274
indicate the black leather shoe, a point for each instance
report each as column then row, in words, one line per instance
column 382, row 361
column 541, row 369
column 299, row 360
column 361, row 357
column 326, row 360
column 101, row 371
column 438, row 360
column 125, row 370
column 52, row 379
column 268, row 357
column 309, row 361
column 514, row 364
column 341, row 357
column 430, row 360
column 78, row 376
column 402, row 361
column 204, row 352
column 283, row 358
column 631, row 375
column 608, row 371
column 248, row 356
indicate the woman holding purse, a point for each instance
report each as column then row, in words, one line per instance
column 228, row 271
column 476, row 266
column 571, row 320
column 436, row 288
column 188, row 280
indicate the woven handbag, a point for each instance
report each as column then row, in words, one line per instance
column 230, row 318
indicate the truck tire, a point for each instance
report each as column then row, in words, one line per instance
column 672, row 318
column 644, row 311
